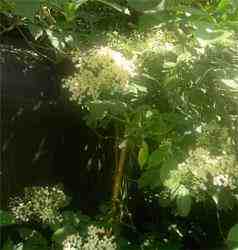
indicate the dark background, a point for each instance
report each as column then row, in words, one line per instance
column 43, row 138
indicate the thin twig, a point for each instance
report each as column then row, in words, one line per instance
column 8, row 29
column 32, row 47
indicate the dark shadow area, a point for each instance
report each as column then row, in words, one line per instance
column 44, row 140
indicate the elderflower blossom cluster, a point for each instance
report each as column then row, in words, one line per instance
column 73, row 242
column 39, row 204
column 220, row 169
column 96, row 239
column 201, row 171
column 102, row 69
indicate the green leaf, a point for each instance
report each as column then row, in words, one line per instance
column 233, row 234
column 226, row 200
column 56, row 39
column 148, row 20
column 36, row 31
column 166, row 168
column 60, row 234
column 142, row 5
column 70, row 11
column 60, row 3
column 150, row 179
column 20, row 246
column 230, row 84
column 6, row 218
column 183, row 202
column 207, row 33
column 223, row 5
column 6, row 8
column 155, row 158
column 164, row 200
column 27, row 9
column 143, row 154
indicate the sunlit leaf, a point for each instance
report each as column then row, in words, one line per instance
column 233, row 234
column 230, row 83
column 166, row 168
column 115, row 6
column 223, row 5
column 207, row 33
column 143, row 154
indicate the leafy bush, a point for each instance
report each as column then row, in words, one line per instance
column 169, row 90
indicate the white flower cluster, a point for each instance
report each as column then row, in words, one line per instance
column 97, row 239
column 222, row 170
column 202, row 170
column 99, row 70
column 73, row 242
column 39, row 203
column 222, row 180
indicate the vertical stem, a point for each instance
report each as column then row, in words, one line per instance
column 236, row 139
column 116, row 189
column 219, row 223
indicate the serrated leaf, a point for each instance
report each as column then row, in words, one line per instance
column 143, row 154
column 183, row 202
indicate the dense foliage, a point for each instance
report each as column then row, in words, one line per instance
column 164, row 76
